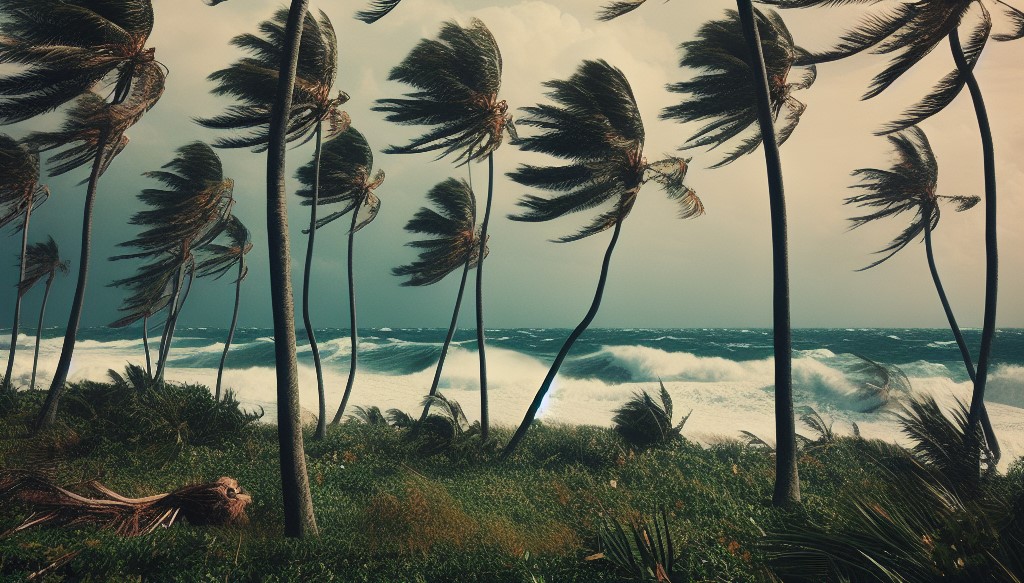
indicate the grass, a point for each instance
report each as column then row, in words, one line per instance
column 388, row 513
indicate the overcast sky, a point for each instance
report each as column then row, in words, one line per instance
column 713, row 271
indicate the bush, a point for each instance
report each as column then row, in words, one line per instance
column 644, row 423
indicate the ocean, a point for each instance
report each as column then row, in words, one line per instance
column 724, row 376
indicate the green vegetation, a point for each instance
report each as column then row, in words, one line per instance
column 389, row 512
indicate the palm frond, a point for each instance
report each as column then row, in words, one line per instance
column 378, row 9
column 41, row 260
column 643, row 423
column 613, row 10
column 19, row 179
column 346, row 179
column 455, row 237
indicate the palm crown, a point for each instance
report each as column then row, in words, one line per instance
column 253, row 82
column 455, row 238
column 457, row 78
column 221, row 257
column 41, row 260
column 597, row 126
column 723, row 96
column 909, row 186
column 346, row 177
column 19, row 179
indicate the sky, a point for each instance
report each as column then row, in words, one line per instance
column 712, row 271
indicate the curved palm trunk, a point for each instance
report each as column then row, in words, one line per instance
column 787, row 480
column 988, row 330
column 447, row 340
column 145, row 346
column 321, row 423
column 175, row 291
column 49, row 412
column 299, row 520
column 17, row 300
column 162, row 367
column 234, row 321
column 353, row 334
column 480, row 339
column 39, row 330
column 531, row 413
column 986, row 424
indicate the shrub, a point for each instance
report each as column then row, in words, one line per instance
column 644, row 423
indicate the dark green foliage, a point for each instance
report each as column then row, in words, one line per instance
column 722, row 94
column 135, row 377
column 941, row 443
column 378, row 9
column 646, row 553
column 19, row 180
column 42, row 260
column 457, row 78
column 219, row 258
column 369, row 415
column 644, row 423
column 818, row 425
column 346, row 179
column 909, row 186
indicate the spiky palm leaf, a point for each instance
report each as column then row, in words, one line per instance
column 457, row 78
column 42, row 260
column 643, row 423
column 818, row 425
column 220, row 258
column 722, row 95
column 134, row 377
column 19, row 179
column 908, row 186
column 455, row 236
column 346, row 179
column 940, row 442
column 596, row 125
column 67, row 48
column 253, row 82
column 369, row 415
column 378, row 9
column 879, row 381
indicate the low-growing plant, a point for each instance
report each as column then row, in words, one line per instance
column 645, row 553
column 643, row 423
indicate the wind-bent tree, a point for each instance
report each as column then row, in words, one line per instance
column 219, row 259
column 453, row 244
column 41, row 260
column 151, row 293
column 457, row 78
column 344, row 176
column 596, row 126
column 744, row 92
column 20, row 192
column 909, row 32
column 909, row 186
column 65, row 49
column 188, row 212
column 252, row 81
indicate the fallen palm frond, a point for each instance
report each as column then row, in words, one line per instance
column 217, row 503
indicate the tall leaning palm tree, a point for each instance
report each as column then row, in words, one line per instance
column 219, row 259
column 343, row 177
column 910, row 187
column 453, row 244
column 20, row 192
column 457, row 78
column 596, row 126
column 251, row 81
column 65, row 50
column 909, row 32
column 41, row 260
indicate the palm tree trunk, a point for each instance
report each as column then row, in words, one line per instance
column 299, row 520
column 531, row 413
column 447, row 339
column 49, row 412
column 321, row 423
column 988, row 330
column 162, row 367
column 17, row 300
column 234, row 320
column 39, row 330
column 353, row 335
column 787, row 480
column 986, row 423
column 480, row 335
column 175, row 291
column 145, row 345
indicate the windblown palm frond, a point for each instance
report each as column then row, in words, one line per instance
column 722, row 95
column 369, row 415
column 220, row 258
column 346, row 178
column 455, row 236
column 596, row 125
column 378, row 9
column 909, row 186
column 879, row 383
column 19, row 179
column 457, row 78
column 42, row 260
column 643, row 423
column 67, row 48
column 253, row 82
column 940, row 443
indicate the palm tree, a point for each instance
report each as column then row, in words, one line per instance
column 746, row 61
column 151, row 294
column 221, row 258
column 187, row 213
column 252, row 81
column 347, row 179
column 909, row 32
column 454, row 244
column 41, row 260
column 20, row 192
column 910, row 186
column 65, row 49
column 457, row 78
column 596, row 126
